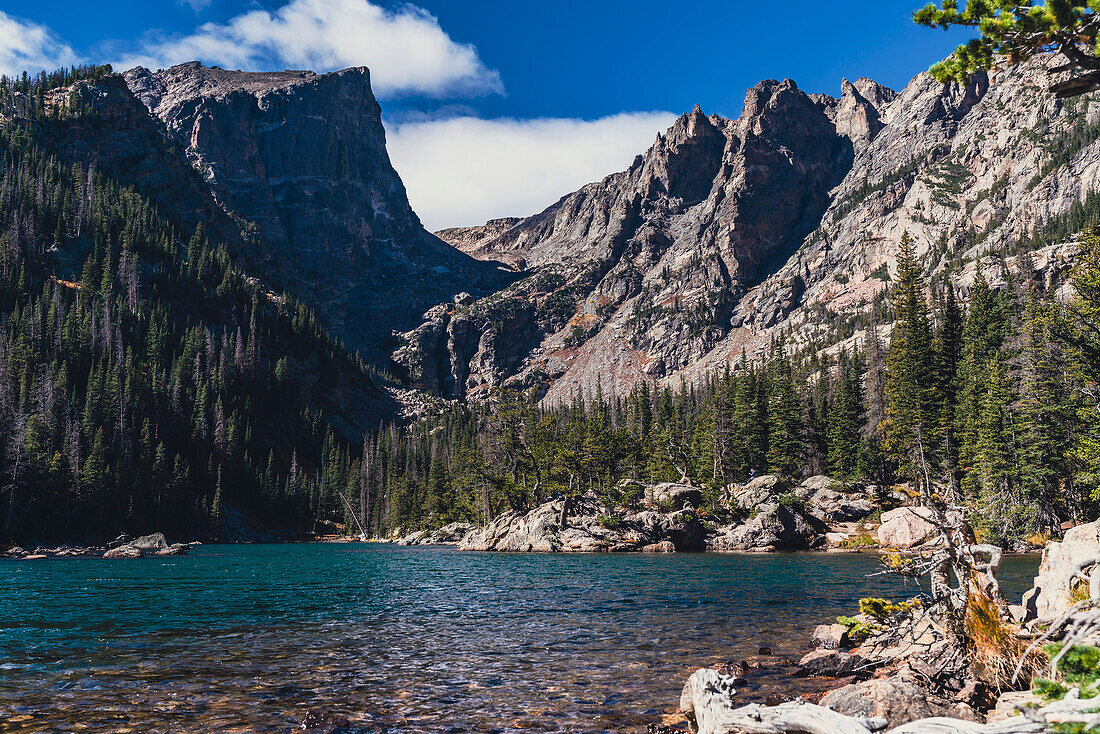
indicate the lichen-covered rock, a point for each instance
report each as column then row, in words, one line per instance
column 897, row 701
column 678, row 496
column 150, row 543
column 830, row 506
column 758, row 491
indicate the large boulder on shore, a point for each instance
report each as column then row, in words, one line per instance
column 831, row 506
column 895, row 700
column 587, row 529
column 906, row 527
column 677, row 496
column 775, row 526
column 1049, row 598
column 758, row 491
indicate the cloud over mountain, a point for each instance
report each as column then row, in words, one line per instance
column 465, row 170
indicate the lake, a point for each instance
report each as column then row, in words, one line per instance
column 246, row 638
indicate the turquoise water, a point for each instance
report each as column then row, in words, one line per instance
column 249, row 638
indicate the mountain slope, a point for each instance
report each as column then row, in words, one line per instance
column 300, row 160
column 729, row 234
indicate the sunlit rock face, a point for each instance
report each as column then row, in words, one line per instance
column 726, row 233
column 299, row 160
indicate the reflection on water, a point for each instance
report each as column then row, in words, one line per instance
column 250, row 638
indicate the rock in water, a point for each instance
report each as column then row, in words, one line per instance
column 154, row 542
column 123, row 551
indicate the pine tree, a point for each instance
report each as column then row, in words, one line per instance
column 910, row 395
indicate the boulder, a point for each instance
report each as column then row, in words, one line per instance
column 758, row 491
column 774, row 527
column 665, row 546
column 897, row 701
column 153, row 542
column 34, row 557
column 830, row 506
column 534, row 531
column 906, row 527
column 123, row 551
column 830, row 636
column 1010, row 703
column 817, row 482
column 828, row 663
column 678, row 496
column 413, row 538
column 587, row 530
column 170, row 551
column 1049, row 598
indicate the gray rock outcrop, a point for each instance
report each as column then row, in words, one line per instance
column 789, row 217
column 299, row 160
column 451, row 534
column 587, row 531
column 1061, row 568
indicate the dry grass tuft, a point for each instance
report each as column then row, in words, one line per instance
column 997, row 650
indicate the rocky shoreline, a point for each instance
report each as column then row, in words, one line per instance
column 152, row 545
column 763, row 515
column 896, row 669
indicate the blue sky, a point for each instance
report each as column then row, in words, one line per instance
column 498, row 107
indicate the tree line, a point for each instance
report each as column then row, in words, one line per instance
column 145, row 382
column 997, row 401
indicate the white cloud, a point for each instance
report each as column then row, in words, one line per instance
column 406, row 50
column 466, row 170
column 27, row 46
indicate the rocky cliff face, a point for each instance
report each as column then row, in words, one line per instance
column 726, row 232
column 299, row 160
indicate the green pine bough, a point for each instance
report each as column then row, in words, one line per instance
column 1013, row 32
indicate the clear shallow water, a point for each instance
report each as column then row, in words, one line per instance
column 249, row 638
